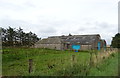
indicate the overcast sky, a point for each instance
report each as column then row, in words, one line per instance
column 61, row 17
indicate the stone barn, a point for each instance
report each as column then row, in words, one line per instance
column 82, row 42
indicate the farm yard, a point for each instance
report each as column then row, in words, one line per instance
column 47, row 62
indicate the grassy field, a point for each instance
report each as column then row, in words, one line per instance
column 109, row 67
column 48, row 62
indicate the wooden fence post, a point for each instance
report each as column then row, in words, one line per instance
column 30, row 65
column 92, row 57
column 90, row 63
column 73, row 58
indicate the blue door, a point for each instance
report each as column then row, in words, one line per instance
column 104, row 47
column 76, row 47
column 98, row 45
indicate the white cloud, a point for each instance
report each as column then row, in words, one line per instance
column 58, row 17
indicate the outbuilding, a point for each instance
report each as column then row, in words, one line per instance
column 71, row 42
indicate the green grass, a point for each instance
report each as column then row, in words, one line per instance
column 16, row 60
column 48, row 62
column 109, row 67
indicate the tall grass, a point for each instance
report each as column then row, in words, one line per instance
column 48, row 62
column 108, row 67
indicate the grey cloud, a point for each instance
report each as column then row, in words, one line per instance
column 103, row 27
column 106, row 30
column 7, row 5
column 40, row 29
column 82, row 29
column 53, row 21
column 45, row 32
column 13, row 6
column 10, row 22
column 29, row 4
column 102, row 24
column 107, row 27
column 48, row 30
column 119, row 29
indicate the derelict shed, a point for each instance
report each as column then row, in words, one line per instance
column 79, row 42
column 86, row 42
column 51, row 43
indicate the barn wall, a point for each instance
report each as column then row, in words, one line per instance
column 50, row 46
column 103, row 44
column 86, row 47
column 60, row 44
column 82, row 47
column 67, row 46
column 95, row 44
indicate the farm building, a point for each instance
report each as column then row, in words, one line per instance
column 79, row 42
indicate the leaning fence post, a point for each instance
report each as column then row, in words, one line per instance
column 30, row 65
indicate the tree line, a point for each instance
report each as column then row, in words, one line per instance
column 17, row 37
column 116, row 41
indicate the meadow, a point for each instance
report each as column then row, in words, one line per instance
column 47, row 62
